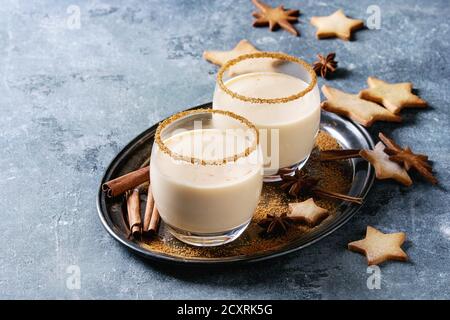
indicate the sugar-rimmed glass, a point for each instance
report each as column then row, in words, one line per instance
column 278, row 93
column 206, row 175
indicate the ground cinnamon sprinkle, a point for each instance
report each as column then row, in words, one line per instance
column 334, row 176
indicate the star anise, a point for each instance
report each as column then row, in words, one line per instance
column 302, row 185
column 408, row 159
column 276, row 224
column 325, row 65
column 298, row 184
column 274, row 17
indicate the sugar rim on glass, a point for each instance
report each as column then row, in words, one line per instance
column 273, row 55
column 193, row 160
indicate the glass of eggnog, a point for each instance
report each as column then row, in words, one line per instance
column 278, row 93
column 206, row 174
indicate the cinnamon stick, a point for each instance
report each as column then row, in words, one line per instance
column 335, row 195
column 154, row 222
column 134, row 212
column 146, row 162
column 126, row 182
column 148, row 209
column 339, row 154
column 151, row 216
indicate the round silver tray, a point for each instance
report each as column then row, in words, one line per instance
column 349, row 135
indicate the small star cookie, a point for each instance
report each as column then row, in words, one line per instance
column 394, row 96
column 379, row 247
column 336, row 25
column 307, row 212
column 385, row 168
column 243, row 47
column 350, row 105
column 274, row 17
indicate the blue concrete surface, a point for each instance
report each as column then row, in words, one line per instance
column 71, row 98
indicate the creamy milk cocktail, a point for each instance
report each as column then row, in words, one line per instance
column 197, row 200
column 205, row 199
column 297, row 120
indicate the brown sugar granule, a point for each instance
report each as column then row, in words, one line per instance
column 333, row 175
column 325, row 142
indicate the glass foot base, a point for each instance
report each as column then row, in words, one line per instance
column 207, row 239
column 289, row 171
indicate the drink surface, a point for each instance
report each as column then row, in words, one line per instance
column 297, row 121
column 209, row 144
column 213, row 145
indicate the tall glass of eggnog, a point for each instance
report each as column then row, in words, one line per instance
column 206, row 175
column 279, row 94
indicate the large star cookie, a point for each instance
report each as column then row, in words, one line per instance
column 307, row 212
column 222, row 57
column 336, row 25
column 394, row 96
column 350, row 105
column 274, row 17
column 385, row 168
column 379, row 247
column 243, row 47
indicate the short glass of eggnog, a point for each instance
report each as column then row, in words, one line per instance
column 206, row 175
column 278, row 93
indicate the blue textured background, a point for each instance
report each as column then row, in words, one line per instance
column 71, row 99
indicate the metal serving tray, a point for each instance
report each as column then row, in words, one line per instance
column 350, row 136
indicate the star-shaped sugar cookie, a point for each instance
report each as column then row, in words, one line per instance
column 385, row 168
column 379, row 247
column 243, row 47
column 394, row 96
column 408, row 159
column 352, row 106
column 336, row 25
column 307, row 212
column 222, row 57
